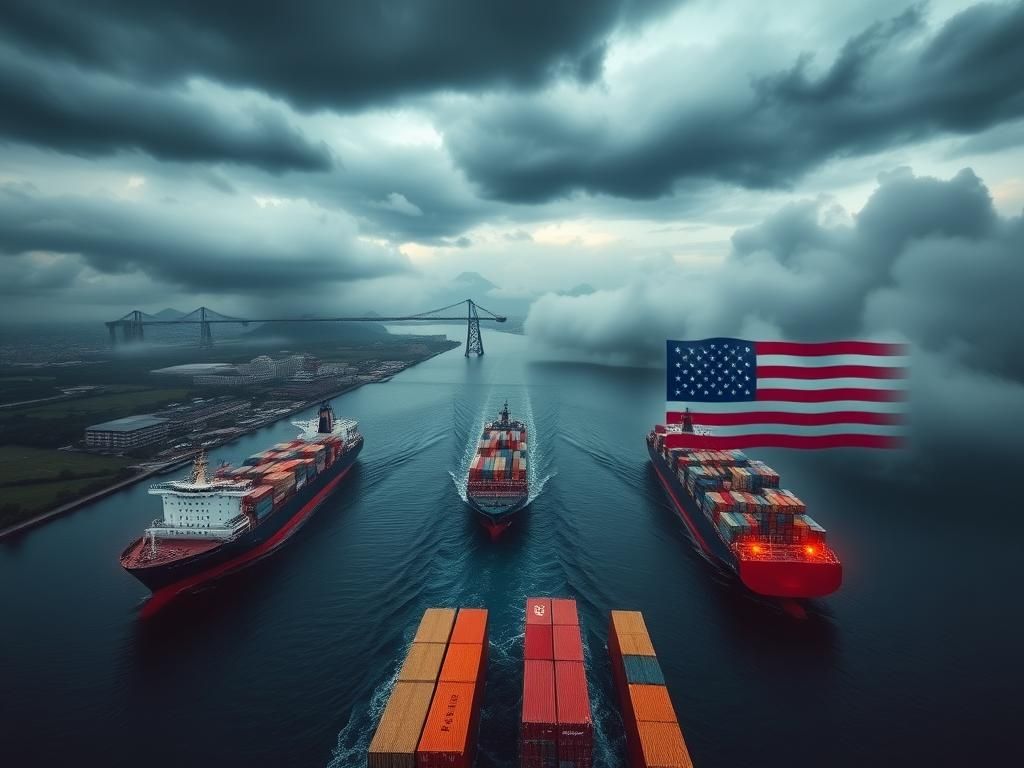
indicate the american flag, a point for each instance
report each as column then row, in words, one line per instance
column 788, row 394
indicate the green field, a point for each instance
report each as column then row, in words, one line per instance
column 117, row 405
column 23, row 501
column 21, row 463
column 33, row 480
column 17, row 388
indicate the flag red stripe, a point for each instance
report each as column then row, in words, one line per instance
column 830, row 372
column 782, row 441
column 828, row 348
column 780, row 417
column 824, row 395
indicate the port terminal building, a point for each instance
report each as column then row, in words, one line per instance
column 129, row 432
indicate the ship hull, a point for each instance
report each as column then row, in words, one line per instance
column 784, row 579
column 495, row 514
column 167, row 580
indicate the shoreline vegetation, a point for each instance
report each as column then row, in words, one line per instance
column 76, row 479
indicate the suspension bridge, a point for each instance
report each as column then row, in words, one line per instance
column 129, row 328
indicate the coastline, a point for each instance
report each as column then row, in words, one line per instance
column 51, row 514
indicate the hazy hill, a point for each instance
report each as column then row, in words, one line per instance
column 343, row 333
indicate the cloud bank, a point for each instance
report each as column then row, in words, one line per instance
column 928, row 261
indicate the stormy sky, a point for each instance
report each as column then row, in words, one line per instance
column 639, row 170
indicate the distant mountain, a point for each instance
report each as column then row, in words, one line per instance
column 583, row 289
column 170, row 314
column 342, row 333
column 474, row 283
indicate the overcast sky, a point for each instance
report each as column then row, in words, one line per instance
column 156, row 154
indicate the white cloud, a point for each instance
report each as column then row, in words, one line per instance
column 398, row 203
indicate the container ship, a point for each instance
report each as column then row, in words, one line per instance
column 498, row 486
column 738, row 515
column 213, row 526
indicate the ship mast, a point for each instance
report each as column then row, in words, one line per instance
column 504, row 413
column 687, row 421
column 199, row 469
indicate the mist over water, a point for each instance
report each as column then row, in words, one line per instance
column 291, row 661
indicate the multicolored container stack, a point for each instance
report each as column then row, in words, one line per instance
column 500, row 455
column 433, row 715
column 653, row 736
column 556, row 726
column 742, row 498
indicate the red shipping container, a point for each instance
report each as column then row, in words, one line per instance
column 538, row 643
column 538, row 737
column 575, row 728
column 563, row 611
column 538, row 610
column 567, row 643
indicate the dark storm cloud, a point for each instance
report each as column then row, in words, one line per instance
column 61, row 107
column 330, row 54
column 213, row 255
column 885, row 87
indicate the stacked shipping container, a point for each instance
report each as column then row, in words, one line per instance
column 653, row 736
column 286, row 468
column 450, row 731
column 398, row 733
column 556, row 727
column 432, row 715
column 743, row 500
column 500, row 456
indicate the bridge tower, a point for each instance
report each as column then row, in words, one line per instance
column 134, row 327
column 205, row 330
column 474, row 341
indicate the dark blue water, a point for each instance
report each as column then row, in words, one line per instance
column 913, row 662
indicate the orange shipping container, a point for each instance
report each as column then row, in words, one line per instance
column 470, row 626
column 463, row 663
column 651, row 703
column 448, row 733
column 635, row 645
column 422, row 663
column 436, row 625
column 662, row 746
column 629, row 622
column 398, row 733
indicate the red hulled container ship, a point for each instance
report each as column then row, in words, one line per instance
column 738, row 515
column 215, row 526
column 498, row 486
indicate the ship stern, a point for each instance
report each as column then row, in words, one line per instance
column 790, row 572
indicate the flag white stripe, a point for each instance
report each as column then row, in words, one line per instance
column 885, row 430
column 678, row 406
column 810, row 361
column 806, row 384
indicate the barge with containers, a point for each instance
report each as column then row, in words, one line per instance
column 498, row 484
column 213, row 526
column 736, row 512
